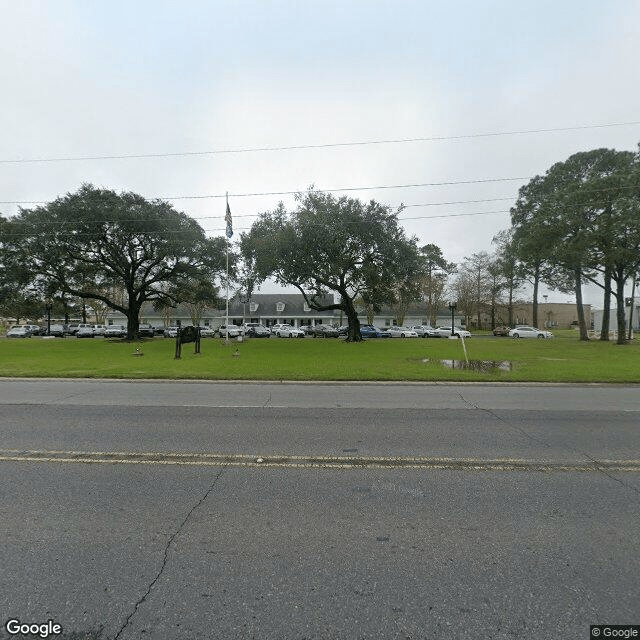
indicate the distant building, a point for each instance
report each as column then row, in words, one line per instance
column 272, row 308
column 613, row 322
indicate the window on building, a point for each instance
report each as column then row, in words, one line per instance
column 253, row 307
column 280, row 307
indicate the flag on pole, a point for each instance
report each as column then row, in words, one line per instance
column 227, row 219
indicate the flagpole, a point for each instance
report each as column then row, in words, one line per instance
column 227, row 243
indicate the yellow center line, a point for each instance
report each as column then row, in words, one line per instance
column 317, row 461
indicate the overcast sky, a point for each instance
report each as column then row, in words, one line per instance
column 90, row 78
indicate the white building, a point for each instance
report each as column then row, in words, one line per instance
column 613, row 322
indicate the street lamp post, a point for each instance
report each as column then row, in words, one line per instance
column 452, row 308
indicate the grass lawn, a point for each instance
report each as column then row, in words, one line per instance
column 562, row 359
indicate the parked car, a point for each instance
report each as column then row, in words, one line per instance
column 325, row 331
column 401, row 332
column 98, row 329
column 146, row 331
column 232, row 332
column 256, row 330
column 115, row 331
column 343, row 330
column 158, row 330
column 369, row 331
column 459, row 332
column 501, row 331
column 425, row 331
column 287, row 331
column 72, row 329
column 57, row 330
column 86, row 330
column 22, row 326
column 18, row 332
column 34, row 328
column 207, row 332
column 170, row 332
column 274, row 327
column 529, row 332
column 308, row 329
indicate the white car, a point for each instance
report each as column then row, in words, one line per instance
column 425, row 331
column 232, row 331
column 99, row 329
column 207, row 332
column 459, row 332
column 18, row 332
column 401, row 332
column 115, row 331
column 85, row 331
column 287, row 331
column 529, row 332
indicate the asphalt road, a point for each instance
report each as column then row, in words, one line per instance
column 204, row 510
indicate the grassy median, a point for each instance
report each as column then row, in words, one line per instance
column 562, row 359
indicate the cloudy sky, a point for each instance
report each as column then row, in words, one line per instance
column 211, row 94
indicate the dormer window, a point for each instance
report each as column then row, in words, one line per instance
column 305, row 307
column 279, row 307
column 253, row 307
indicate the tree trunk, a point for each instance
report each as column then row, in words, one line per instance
column 606, row 312
column 536, row 284
column 584, row 336
column 510, row 308
column 633, row 293
column 622, row 332
column 353, row 334
column 133, row 317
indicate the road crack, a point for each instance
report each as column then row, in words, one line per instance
column 597, row 464
column 166, row 555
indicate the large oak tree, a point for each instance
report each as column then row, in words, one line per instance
column 118, row 248
column 343, row 246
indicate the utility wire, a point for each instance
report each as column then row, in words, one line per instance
column 209, row 231
column 317, row 146
column 288, row 193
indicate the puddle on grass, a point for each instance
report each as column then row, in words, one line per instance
column 480, row 366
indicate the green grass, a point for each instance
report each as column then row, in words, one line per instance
column 563, row 359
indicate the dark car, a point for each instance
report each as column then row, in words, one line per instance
column 255, row 330
column 369, row 331
column 325, row 331
column 501, row 331
column 146, row 331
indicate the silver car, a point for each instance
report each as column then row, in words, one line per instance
column 287, row 331
column 458, row 332
column 115, row 331
column 426, row 331
column 18, row 332
column 401, row 332
column 529, row 332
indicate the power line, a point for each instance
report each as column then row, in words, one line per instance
column 331, row 145
column 289, row 193
column 209, row 231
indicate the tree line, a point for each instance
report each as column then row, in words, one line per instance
column 577, row 223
